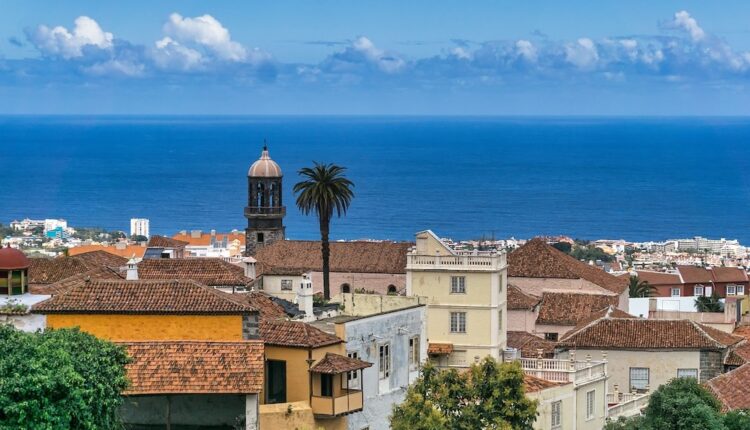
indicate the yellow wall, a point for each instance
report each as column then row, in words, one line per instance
column 152, row 327
column 297, row 376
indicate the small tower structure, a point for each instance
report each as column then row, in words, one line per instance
column 265, row 210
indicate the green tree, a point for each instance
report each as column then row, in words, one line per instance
column 737, row 420
column 59, row 379
column 640, row 288
column 138, row 238
column 563, row 246
column 683, row 404
column 709, row 304
column 489, row 396
column 324, row 191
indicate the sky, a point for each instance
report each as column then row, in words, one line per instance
column 375, row 58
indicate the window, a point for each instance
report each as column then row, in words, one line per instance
column 458, row 285
column 384, row 369
column 286, row 284
column 550, row 336
column 639, row 377
column 326, row 385
column 675, row 292
column 501, row 283
column 687, row 373
column 260, row 237
column 414, row 353
column 500, row 321
column 345, row 288
column 731, row 290
column 740, row 290
column 698, row 290
column 556, row 414
column 590, row 404
column 458, row 322
column 353, row 376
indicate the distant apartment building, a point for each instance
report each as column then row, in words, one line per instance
column 696, row 281
column 466, row 300
column 54, row 224
column 212, row 244
column 139, row 227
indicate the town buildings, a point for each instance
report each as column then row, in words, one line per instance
column 229, row 246
column 466, row 300
column 265, row 209
column 139, row 227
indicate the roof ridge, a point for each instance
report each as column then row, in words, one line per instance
column 718, row 343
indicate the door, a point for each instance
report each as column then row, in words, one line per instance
column 275, row 381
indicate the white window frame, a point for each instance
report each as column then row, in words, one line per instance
column 556, row 414
column 740, row 290
column 731, row 290
column 687, row 373
column 648, row 377
column 672, row 292
column 384, row 361
column 458, row 322
column 352, row 378
column 458, row 284
column 287, row 285
column 698, row 288
column 414, row 356
column 590, row 404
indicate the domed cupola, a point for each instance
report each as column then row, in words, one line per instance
column 265, row 167
column 14, row 272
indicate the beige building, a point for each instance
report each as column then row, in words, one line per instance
column 644, row 354
column 466, row 300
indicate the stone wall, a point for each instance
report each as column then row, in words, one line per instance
column 711, row 365
column 250, row 326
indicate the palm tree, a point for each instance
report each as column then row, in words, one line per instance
column 640, row 288
column 323, row 191
column 709, row 304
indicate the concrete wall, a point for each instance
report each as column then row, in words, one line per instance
column 194, row 410
column 377, row 282
column 573, row 398
column 521, row 321
column 153, row 327
column 296, row 415
column 662, row 364
column 371, row 304
column 25, row 322
column 364, row 337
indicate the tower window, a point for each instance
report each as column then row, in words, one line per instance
column 345, row 288
column 260, row 237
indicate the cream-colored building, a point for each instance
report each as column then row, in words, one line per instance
column 466, row 300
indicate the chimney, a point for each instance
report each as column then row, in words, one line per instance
column 305, row 297
column 195, row 233
column 249, row 264
column 132, row 270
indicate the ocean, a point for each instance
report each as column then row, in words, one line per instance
column 463, row 177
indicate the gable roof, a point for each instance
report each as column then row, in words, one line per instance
column 537, row 259
column 99, row 296
column 635, row 333
column 694, row 274
column 656, row 278
column 207, row 271
column 732, row 389
column 126, row 251
column 265, row 304
column 204, row 239
column 520, row 301
column 333, row 364
column 101, row 258
column 298, row 334
column 51, row 270
column 66, row 284
column 287, row 257
column 559, row 308
column 532, row 384
column 165, row 242
column 738, row 355
column 194, row 367
column 529, row 344
column 728, row 274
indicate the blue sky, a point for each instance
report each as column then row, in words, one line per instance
column 385, row 57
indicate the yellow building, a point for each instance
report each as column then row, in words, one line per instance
column 466, row 300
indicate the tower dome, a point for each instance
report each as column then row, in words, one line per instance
column 12, row 259
column 264, row 167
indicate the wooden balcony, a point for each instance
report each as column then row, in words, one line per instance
column 346, row 402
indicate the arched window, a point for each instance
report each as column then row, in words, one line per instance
column 272, row 195
column 345, row 288
column 392, row 289
column 260, row 197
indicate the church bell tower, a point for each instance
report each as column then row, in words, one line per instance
column 265, row 210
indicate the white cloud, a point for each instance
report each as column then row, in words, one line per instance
column 208, row 32
column 582, row 54
column 170, row 54
column 116, row 67
column 461, row 53
column 526, row 50
column 683, row 20
column 60, row 41
column 386, row 63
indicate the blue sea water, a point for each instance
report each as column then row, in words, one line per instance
column 632, row 178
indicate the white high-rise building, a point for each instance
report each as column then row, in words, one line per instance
column 139, row 227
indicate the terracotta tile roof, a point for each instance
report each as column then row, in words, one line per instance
column 66, row 284
column 194, row 367
column 743, row 330
column 205, row 238
column 528, row 344
column 520, row 301
column 294, row 257
column 694, row 274
column 125, row 252
column 165, row 242
column 207, row 271
column 739, row 355
column 537, row 259
column 295, row 334
column 532, row 384
column 51, row 270
column 141, row 297
column 732, row 389
column 656, row 278
column 558, row 308
column 636, row 333
column 333, row 364
column 728, row 274
column 265, row 305
column 439, row 348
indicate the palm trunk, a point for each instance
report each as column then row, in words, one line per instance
column 326, row 249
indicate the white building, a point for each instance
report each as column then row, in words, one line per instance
column 51, row 224
column 139, row 227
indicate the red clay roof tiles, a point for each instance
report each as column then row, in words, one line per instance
column 732, row 389
column 334, row 363
column 207, row 271
column 560, row 308
column 529, row 344
column 519, row 300
column 279, row 332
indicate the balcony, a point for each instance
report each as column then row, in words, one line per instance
column 626, row 404
column 347, row 401
column 489, row 262
column 265, row 211
column 577, row 372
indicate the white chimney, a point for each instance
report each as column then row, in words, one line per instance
column 132, row 270
column 249, row 264
column 305, row 297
